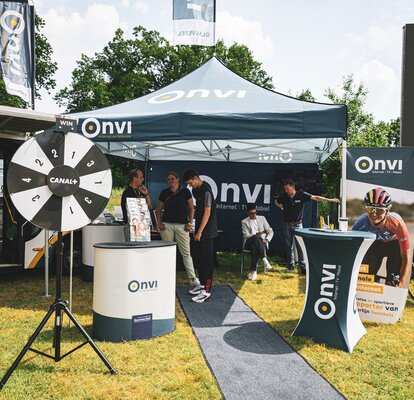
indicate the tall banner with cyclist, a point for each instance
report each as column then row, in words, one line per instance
column 380, row 199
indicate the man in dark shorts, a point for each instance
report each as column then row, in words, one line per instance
column 392, row 239
column 291, row 202
column 204, row 234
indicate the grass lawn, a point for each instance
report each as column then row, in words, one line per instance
column 172, row 367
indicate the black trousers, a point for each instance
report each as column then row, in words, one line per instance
column 258, row 249
column 378, row 251
column 203, row 257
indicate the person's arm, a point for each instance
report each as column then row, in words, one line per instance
column 321, row 198
column 144, row 191
column 204, row 220
column 268, row 229
column 278, row 205
column 123, row 207
column 190, row 206
column 159, row 208
column 405, row 266
column 245, row 231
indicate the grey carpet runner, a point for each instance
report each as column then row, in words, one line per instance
column 247, row 357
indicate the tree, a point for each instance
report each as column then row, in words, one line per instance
column 129, row 68
column 45, row 69
column 363, row 131
column 305, row 95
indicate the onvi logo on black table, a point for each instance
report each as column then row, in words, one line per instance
column 325, row 307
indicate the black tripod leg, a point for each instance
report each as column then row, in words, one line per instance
column 27, row 346
column 58, row 331
column 89, row 340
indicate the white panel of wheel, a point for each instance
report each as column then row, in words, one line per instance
column 59, row 181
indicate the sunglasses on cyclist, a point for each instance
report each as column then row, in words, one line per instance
column 378, row 211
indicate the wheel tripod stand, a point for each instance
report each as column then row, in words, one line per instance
column 58, row 308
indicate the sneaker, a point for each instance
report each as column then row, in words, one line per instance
column 252, row 276
column 194, row 282
column 197, row 290
column 202, row 297
column 267, row 265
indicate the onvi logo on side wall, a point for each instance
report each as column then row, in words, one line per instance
column 366, row 164
column 92, row 127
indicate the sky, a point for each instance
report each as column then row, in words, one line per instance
column 302, row 44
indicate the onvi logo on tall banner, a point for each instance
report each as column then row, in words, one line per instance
column 16, row 48
column 92, row 127
column 366, row 164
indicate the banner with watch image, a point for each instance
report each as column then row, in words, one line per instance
column 380, row 295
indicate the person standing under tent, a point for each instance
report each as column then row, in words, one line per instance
column 135, row 189
column 204, row 236
column 175, row 214
column 291, row 202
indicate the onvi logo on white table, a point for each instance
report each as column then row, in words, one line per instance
column 135, row 286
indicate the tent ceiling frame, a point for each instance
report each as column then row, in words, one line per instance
column 210, row 151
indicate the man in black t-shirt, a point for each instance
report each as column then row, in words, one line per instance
column 135, row 189
column 291, row 202
column 204, row 234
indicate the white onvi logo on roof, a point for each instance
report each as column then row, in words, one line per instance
column 91, row 127
column 366, row 164
column 174, row 95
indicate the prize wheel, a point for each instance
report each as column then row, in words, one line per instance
column 59, row 181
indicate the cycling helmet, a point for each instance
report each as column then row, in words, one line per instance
column 377, row 198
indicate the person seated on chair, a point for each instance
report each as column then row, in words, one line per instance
column 257, row 233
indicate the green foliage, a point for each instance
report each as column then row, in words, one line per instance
column 45, row 69
column 120, row 167
column 129, row 68
column 305, row 95
column 363, row 131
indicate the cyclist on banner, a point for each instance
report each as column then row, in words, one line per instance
column 391, row 241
